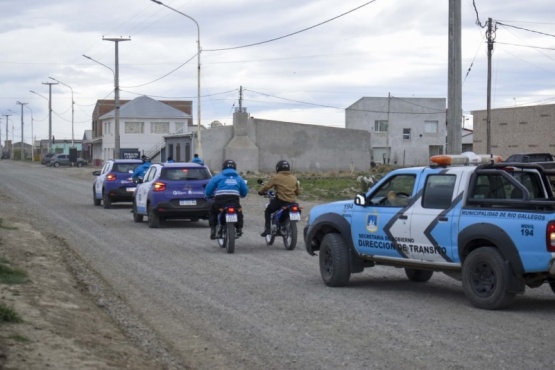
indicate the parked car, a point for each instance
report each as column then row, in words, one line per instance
column 58, row 160
column 113, row 183
column 530, row 157
column 172, row 190
column 5, row 155
column 45, row 159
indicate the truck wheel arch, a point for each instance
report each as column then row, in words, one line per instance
column 484, row 234
column 333, row 223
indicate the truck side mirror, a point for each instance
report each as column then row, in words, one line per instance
column 360, row 200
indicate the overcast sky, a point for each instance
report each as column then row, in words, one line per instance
column 326, row 55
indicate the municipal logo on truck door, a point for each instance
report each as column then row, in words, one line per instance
column 372, row 222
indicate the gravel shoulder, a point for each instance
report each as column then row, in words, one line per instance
column 66, row 322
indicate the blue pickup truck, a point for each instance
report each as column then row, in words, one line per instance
column 487, row 223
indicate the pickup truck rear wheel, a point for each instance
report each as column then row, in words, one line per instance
column 419, row 276
column 485, row 279
column 334, row 261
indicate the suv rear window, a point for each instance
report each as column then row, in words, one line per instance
column 125, row 167
column 185, row 173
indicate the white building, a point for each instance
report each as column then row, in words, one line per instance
column 403, row 131
column 143, row 123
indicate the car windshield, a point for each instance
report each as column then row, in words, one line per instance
column 185, row 173
column 125, row 167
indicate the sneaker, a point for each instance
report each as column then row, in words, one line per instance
column 266, row 232
column 213, row 232
column 239, row 232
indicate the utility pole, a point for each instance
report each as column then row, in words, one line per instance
column 7, row 115
column 454, row 89
column 491, row 37
column 116, row 95
column 21, row 153
column 49, row 113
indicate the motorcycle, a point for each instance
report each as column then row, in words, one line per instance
column 283, row 222
column 225, row 230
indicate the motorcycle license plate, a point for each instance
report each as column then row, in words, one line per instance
column 231, row 218
column 294, row 216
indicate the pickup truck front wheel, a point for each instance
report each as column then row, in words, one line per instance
column 485, row 279
column 334, row 261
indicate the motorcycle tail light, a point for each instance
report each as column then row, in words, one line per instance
column 159, row 186
column 110, row 177
column 231, row 210
column 294, row 208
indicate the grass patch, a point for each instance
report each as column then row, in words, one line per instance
column 327, row 187
column 10, row 275
column 8, row 314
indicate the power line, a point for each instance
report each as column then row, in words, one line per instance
column 526, row 29
column 294, row 33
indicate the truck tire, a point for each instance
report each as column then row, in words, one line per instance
column 419, row 276
column 334, row 261
column 485, row 279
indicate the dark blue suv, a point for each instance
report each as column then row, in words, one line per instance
column 172, row 190
column 113, row 182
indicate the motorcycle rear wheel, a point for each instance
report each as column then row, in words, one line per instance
column 290, row 235
column 230, row 237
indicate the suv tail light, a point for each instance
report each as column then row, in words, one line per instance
column 111, row 177
column 550, row 236
column 159, row 186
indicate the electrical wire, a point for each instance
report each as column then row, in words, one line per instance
column 166, row 75
column 294, row 33
column 526, row 29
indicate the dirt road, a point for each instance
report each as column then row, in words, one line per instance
column 107, row 293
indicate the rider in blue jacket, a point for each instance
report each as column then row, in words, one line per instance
column 227, row 187
column 140, row 171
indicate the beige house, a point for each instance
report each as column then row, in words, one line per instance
column 516, row 130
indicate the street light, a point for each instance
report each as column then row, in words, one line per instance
column 199, row 148
column 22, row 104
column 72, row 109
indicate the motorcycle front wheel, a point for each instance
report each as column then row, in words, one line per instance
column 289, row 231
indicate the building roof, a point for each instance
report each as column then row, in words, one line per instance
column 145, row 107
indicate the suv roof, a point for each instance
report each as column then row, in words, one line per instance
column 530, row 157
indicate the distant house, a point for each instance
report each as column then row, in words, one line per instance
column 404, row 131
column 143, row 124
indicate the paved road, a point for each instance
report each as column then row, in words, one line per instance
column 267, row 308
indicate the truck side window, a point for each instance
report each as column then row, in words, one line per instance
column 396, row 192
column 438, row 191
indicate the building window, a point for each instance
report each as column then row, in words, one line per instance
column 159, row 127
column 134, row 127
column 406, row 134
column 179, row 127
column 380, row 126
column 430, row 127
column 107, row 128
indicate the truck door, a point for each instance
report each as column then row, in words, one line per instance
column 433, row 218
column 381, row 227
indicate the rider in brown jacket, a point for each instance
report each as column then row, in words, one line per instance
column 286, row 187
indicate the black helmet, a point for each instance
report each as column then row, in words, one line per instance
column 229, row 163
column 283, row 165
